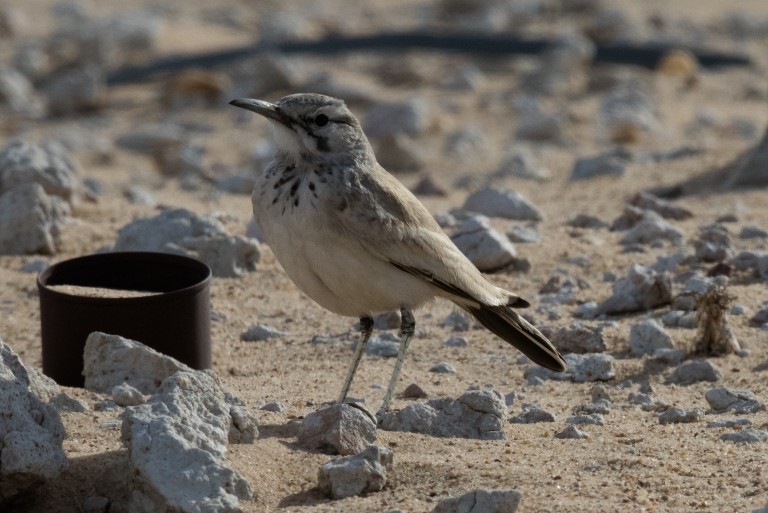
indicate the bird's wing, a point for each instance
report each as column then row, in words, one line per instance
column 397, row 228
column 391, row 224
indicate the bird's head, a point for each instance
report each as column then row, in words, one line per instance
column 311, row 125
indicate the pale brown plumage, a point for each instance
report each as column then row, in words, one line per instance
column 355, row 240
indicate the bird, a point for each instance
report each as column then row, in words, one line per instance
column 356, row 241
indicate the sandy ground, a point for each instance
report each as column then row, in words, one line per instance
column 632, row 463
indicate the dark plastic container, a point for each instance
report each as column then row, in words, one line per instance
column 175, row 320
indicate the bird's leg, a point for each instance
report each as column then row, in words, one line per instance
column 407, row 327
column 366, row 327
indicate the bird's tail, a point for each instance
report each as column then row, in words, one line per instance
column 507, row 324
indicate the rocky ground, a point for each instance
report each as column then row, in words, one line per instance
column 554, row 150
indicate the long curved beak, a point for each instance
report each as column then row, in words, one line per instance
column 266, row 109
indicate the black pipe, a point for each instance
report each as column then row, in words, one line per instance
column 500, row 45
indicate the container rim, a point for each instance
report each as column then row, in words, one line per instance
column 193, row 276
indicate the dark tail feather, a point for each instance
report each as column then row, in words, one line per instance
column 507, row 324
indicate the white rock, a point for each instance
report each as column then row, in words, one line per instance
column 666, row 209
column 126, row 395
column 355, row 475
column 520, row 163
column 713, row 244
column 457, row 321
column 572, row 432
column 746, row 436
column 532, row 414
column 694, row 372
column 260, row 332
column 343, row 428
column 495, row 202
column 599, row 165
column 651, row 228
column 50, row 165
column 31, row 432
column 65, row 403
column 478, row 414
column 581, row 368
column 184, row 426
column 18, row 93
column 646, row 336
column 384, row 344
column 111, row 360
column 186, row 233
column 740, row 402
column 641, row 289
column 678, row 415
column 443, row 368
column 30, row 220
column 411, row 117
column 41, row 385
column 669, row 356
column 466, row 143
column 482, row 501
column 579, row 337
column 485, row 247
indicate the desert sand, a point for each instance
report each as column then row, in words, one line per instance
column 632, row 462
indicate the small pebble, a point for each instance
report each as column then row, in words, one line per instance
column 261, row 332
column 322, row 340
column 579, row 337
column 600, row 407
column 456, row 342
column 386, row 321
column 640, row 398
column 65, row 403
column 753, row 232
column 532, row 414
column 126, row 395
column 586, row 310
column 746, row 436
column 681, row 415
column 694, row 372
column 722, row 399
column 572, row 432
column 738, row 309
column 443, row 368
column 457, row 321
column 646, row 336
column 600, row 165
column 729, row 423
column 586, row 221
column 35, row 266
column 523, row 234
column 496, row 202
column 586, row 418
column 383, row 344
column 414, row 391
column 669, row 356
column 276, row 407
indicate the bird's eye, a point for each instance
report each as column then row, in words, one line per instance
column 321, row 120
